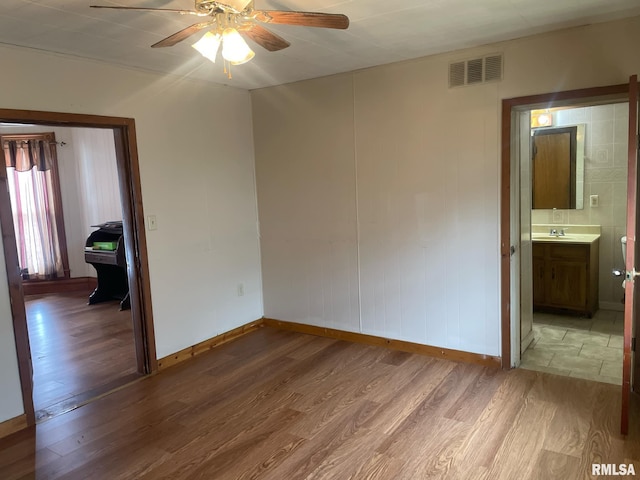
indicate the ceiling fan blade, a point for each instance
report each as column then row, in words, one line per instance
column 263, row 37
column 171, row 10
column 306, row 19
column 177, row 37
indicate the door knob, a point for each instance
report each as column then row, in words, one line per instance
column 630, row 275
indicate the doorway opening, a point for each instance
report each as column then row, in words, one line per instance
column 57, row 311
column 573, row 204
column 516, row 118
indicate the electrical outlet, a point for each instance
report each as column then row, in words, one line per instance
column 557, row 216
column 241, row 289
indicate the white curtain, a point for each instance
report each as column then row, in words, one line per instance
column 33, row 206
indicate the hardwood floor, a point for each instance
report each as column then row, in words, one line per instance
column 78, row 351
column 283, row 405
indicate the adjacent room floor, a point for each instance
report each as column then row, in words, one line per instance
column 79, row 351
column 589, row 348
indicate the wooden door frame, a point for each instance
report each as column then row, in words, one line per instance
column 607, row 94
column 135, row 243
column 631, row 295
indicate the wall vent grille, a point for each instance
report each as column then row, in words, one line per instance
column 476, row 71
column 456, row 74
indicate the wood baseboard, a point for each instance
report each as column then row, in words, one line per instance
column 456, row 355
column 63, row 285
column 13, row 425
column 404, row 346
column 207, row 345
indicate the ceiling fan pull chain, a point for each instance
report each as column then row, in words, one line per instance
column 227, row 68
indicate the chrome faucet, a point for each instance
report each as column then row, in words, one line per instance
column 557, row 233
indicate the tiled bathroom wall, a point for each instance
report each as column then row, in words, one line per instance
column 605, row 176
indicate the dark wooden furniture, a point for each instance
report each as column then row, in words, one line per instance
column 565, row 277
column 110, row 265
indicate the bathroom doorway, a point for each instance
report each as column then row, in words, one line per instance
column 571, row 308
column 515, row 231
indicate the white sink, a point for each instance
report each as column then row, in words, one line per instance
column 574, row 238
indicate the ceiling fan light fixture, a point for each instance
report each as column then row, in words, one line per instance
column 208, row 45
column 234, row 49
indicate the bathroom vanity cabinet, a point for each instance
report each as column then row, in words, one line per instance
column 565, row 276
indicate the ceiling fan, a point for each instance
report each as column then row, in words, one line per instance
column 229, row 18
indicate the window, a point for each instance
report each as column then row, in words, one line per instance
column 36, row 204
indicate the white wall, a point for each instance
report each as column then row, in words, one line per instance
column 197, row 177
column 307, row 202
column 97, row 188
column 387, row 176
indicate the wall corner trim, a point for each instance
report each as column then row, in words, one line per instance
column 207, row 345
column 402, row 345
column 13, row 425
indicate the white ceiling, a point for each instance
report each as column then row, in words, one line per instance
column 381, row 31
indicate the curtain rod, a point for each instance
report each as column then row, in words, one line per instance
column 25, row 142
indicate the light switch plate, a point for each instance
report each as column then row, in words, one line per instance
column 594, row 201
column 152, row 222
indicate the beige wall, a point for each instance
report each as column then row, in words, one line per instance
column 379, row 192
column 11, row 398
column 197, row 174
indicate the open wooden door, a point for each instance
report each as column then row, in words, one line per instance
column 630, row 364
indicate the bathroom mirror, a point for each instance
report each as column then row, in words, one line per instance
column 557, row 159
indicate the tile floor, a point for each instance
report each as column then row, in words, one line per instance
column 589, row 348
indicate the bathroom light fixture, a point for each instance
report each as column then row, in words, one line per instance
column 545, row 119
column 541, row 118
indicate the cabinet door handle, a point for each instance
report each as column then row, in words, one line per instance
column 553, row 273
